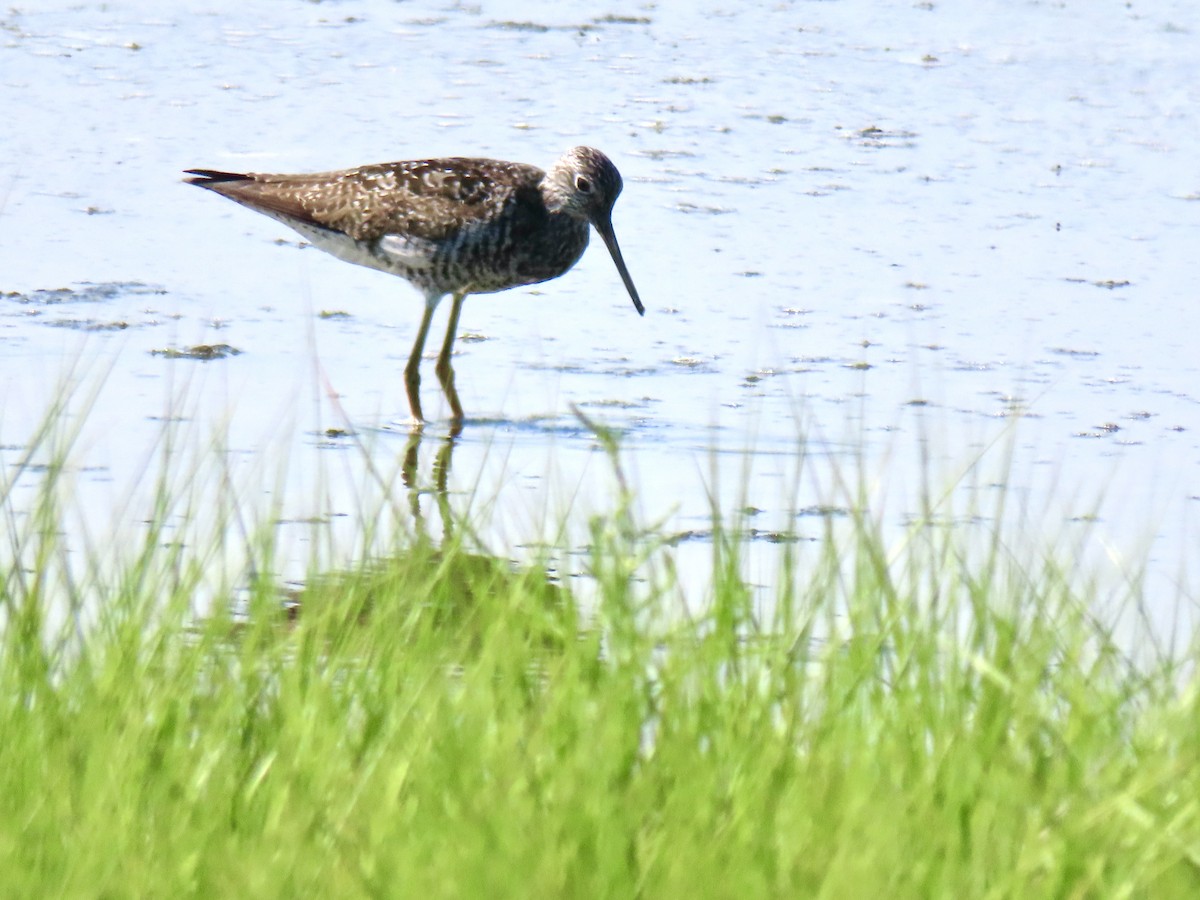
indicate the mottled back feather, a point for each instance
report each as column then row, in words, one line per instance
column 430, row 200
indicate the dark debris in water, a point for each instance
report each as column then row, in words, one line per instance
column 776, row 537
column 661, row 154
column 874, row 136
column 582, row 28
column 693, row 363
column 755, row 377
column 752, row 534
column 1110, row 284
column 564, row 367
column 697, row 208
column 199, row 351
column 87, row 325
column 613, row 19
column 333, row 438
column 680, row 537
column 614, row 403
column 1100, row 431
column 823, row 511
column 508, row 25
column 85, row 292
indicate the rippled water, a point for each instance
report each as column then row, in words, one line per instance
column 902, row 236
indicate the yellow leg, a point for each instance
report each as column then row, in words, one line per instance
column 412, row 371
column 445, row 372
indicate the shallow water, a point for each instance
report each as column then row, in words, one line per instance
column 915, row 234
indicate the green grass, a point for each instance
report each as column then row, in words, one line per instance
column 949, row 721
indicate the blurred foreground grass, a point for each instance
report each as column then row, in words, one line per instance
column 945, row 722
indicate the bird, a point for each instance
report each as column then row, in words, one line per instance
column 453, row 226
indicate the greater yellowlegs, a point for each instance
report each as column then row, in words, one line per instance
column 454, row 226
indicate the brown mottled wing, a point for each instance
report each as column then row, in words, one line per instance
column 430, row 199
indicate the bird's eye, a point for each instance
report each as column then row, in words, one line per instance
column 583, row 184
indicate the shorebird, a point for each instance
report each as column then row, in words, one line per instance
column 453, row 226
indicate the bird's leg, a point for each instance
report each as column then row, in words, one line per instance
column 445, row 372
column 412, row 371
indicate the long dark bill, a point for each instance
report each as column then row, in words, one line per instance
column 604, row 226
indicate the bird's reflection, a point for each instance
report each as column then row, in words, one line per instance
column 410, row 475
column 446, row 580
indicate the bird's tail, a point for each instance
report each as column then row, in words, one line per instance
column 209, row 177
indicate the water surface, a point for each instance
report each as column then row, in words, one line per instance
column 882, row 235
